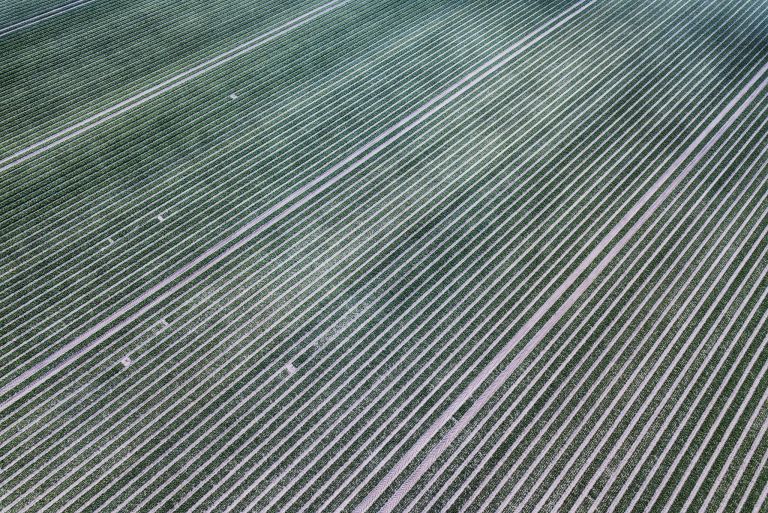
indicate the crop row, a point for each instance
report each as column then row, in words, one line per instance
column 403, row 334
column 464, row 380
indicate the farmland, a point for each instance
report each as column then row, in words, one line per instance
column 377, row 255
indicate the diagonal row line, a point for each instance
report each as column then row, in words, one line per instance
column 669, row 416
column 638, row 346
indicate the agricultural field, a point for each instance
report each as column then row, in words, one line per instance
column 384, row 255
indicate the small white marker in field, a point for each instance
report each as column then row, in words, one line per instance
column 110, row 241
column 290, row 369
column 126, row 361
column 233, row 96
column 160, row 218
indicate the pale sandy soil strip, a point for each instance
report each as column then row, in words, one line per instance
column 637, row 468
column 375, row 343
column 761, row 501
column 657, row 389
column 448, row 439
column 316, row 457
column 763, row 495
column 306, row 289
column 682, row 452
column 608, row 461
column 41, row 282
column 240, row 130
column 439, row 385
column 278, row 399
column 85, row 304
column 750, row 489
